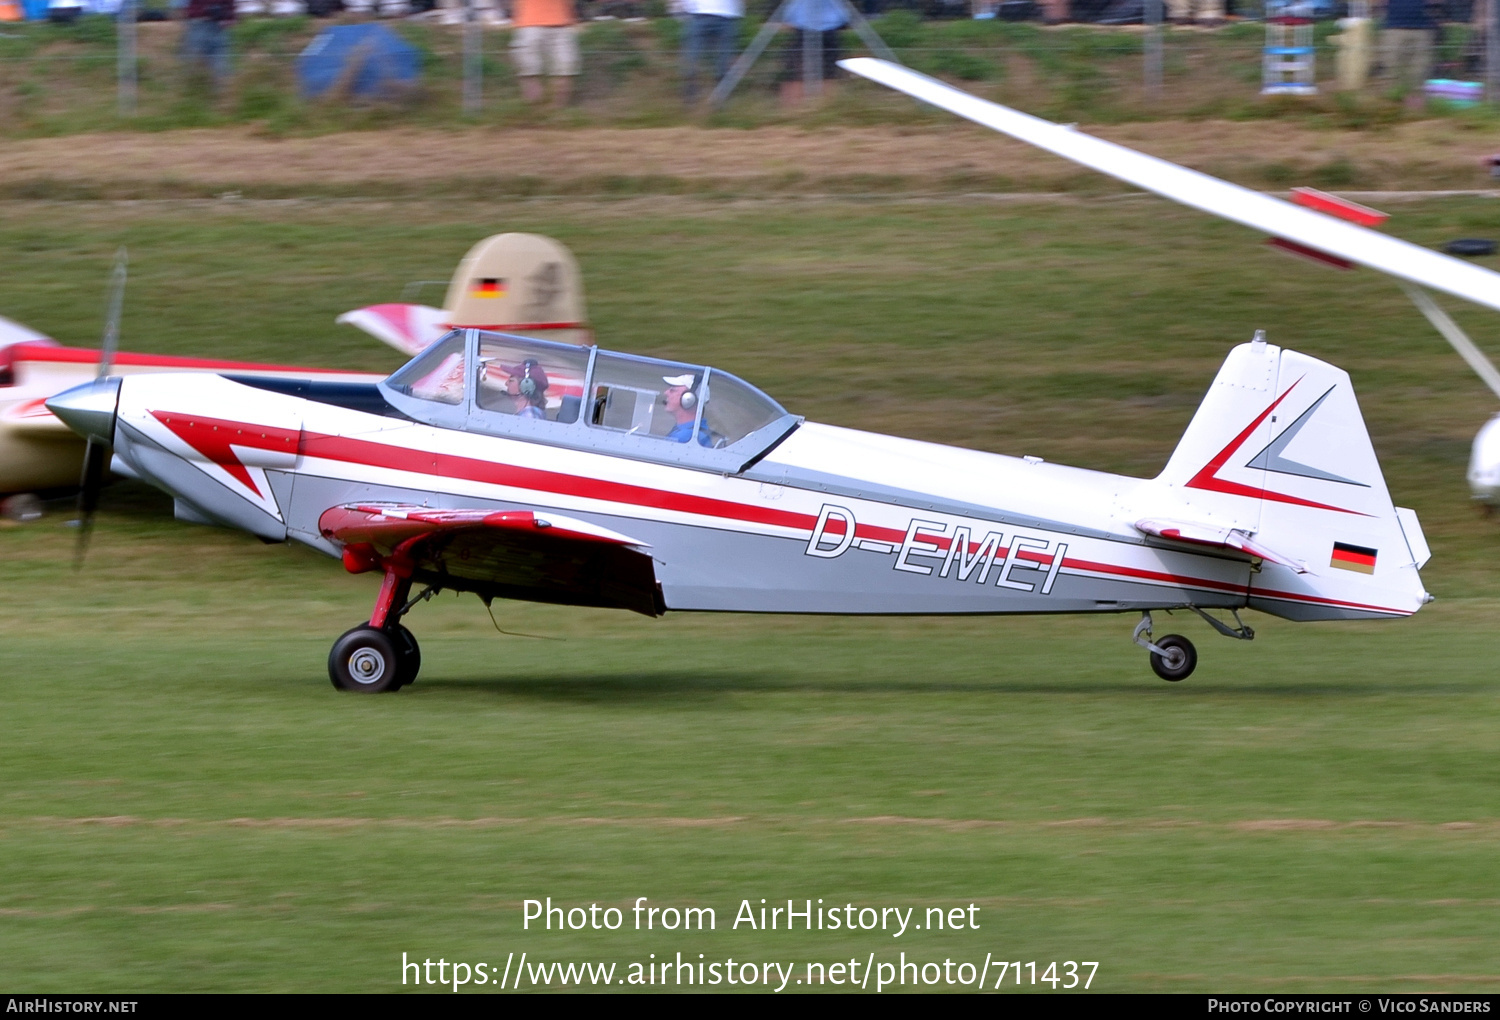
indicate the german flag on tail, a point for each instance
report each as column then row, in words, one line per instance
column 488, row 287
column 1353, row 557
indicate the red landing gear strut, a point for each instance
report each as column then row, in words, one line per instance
column 381, row 655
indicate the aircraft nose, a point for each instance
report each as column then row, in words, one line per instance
column 89, row 409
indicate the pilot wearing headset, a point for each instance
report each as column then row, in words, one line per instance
column 681, row 398
column 527, row 385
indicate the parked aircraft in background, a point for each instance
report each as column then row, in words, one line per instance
column 37, row 451
column 520, row 282
column 1322, row 227
column 524, row 284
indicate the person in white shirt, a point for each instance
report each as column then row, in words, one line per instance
column 712, row 29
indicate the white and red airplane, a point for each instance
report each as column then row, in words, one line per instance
column 517, row 467
column 1317, row 226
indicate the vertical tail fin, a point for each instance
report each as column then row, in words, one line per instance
column 1278, row 450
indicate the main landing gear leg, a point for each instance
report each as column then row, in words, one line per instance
column 381, row 655
column 1173, row 657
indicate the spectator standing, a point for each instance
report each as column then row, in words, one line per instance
column 545, row 40
column 205, row 36
column 825, row 17
column 711, row 29
column 1406, row 47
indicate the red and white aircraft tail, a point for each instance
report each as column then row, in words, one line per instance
column 1277, row 464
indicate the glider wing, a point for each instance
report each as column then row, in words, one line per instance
column 1281, row 219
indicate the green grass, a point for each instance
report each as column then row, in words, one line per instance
column 185, row 804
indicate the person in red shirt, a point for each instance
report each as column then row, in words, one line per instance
column 545, row 39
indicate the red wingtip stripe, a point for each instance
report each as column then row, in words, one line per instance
column 1333, row 205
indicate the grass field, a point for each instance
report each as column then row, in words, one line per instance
column 186, row 804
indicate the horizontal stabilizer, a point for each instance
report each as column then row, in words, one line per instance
column 408, row 328
column 1232, row 539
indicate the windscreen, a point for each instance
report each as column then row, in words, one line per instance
column 436, row 374
column 733, row 409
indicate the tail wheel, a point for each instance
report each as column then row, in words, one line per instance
column 365, row 659
column 408, row 654
column 1178, row 659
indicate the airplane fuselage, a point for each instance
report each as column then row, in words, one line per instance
column 832, row 520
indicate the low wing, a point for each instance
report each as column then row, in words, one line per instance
column 12, row 332
column 1217, row 537
column 1281, row 219
column 523, row 554
column 408, row 328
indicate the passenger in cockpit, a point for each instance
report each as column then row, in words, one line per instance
column 527, row 385
column 681, row 401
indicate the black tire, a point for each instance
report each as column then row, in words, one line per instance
column 1179, row 662
column 1470, row 246
column 364, row 659
column 408, row 655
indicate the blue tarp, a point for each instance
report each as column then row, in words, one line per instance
column 362, row 60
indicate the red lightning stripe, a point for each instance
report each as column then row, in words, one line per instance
column 216, row 439
column 1208, row 476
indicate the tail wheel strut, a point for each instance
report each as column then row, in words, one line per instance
column 1173, row 657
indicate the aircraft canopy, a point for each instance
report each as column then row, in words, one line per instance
column 501, row 383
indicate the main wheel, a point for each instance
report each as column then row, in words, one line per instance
column 364, row 659
column 408, row 655
column 1180, row 660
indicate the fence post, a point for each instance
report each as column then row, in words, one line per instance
column 473, row 58
column 126, row 63
column 1492, row 52
column 1153, row 49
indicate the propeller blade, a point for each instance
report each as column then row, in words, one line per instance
column 111, row 341
column 96, row 453
column 95, row 460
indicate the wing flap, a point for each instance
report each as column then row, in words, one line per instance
column 524, row 554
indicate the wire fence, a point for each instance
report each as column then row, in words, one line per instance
column 63, row 78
